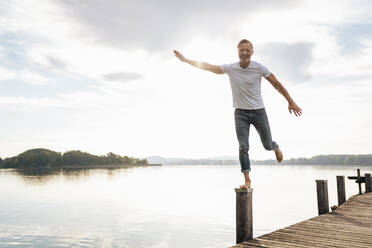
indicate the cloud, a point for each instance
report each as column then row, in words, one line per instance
column 290, row 61
column 350, row 36
column 33, row 78
column 6, row 74
column 156, row 25
column 56, row 63
column 73, row 101
column 29, row 104
column 122, row 76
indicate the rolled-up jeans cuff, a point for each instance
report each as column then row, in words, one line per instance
column 275, row 146
column 245, row 170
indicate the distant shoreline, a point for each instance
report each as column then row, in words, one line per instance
column 273, row 164
column 104, row 166
column 114, row 166
column 332, row 159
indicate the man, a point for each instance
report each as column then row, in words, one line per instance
column 245, row 79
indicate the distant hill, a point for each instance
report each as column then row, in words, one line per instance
column 44, row 158
column 185, row 161
column 162, row 160
column 333, row 159
column 224, row 158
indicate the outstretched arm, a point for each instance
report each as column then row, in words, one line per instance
column 292, row 106
column 201, row 65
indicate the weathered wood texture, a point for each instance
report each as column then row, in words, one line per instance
column 244, row 222
column 322, row 196
column 341, row 194
column 350, row 225
column 368, row 182
column 359, row 181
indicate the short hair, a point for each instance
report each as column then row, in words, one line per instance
column 244, row 41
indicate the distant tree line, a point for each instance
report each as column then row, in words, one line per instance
column 203, row 162
column 48, row 159
column 324, row 160
column 316, row 160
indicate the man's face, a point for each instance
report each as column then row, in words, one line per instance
column 245, row 51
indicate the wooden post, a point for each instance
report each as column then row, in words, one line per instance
column 368, row 182
column 322, row 193
column 341, row 189
column 359, row 182
column 244, row 221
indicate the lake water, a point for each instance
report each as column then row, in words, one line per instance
column 155, row 207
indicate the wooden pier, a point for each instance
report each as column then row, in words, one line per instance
column 350, row 225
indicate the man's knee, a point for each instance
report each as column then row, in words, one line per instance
column 270, row 146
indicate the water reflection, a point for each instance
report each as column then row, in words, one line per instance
column 44, row 175
column 39, row 176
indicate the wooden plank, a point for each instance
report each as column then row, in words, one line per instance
column 332, row 225
column 301, row 240
column 261, row 242
column 346, row 220
column 336, row 236
column 314, row 240
column 340, row 228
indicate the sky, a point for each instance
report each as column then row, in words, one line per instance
column 100, row 76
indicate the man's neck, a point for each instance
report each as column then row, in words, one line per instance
column 244, row 63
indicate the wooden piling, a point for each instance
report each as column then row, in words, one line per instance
column 341, row 189
column 359, row 181
column 244, row 221
column 322, row 195
column 368, row 182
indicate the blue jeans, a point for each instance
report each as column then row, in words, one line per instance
column 243, row 119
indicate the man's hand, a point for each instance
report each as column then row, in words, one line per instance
column 201, row 65
column 296, row 109
column 179, row 55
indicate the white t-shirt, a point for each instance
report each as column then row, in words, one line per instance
column 246, row 84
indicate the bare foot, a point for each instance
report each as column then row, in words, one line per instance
column 278, row 155
column 247, row 181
